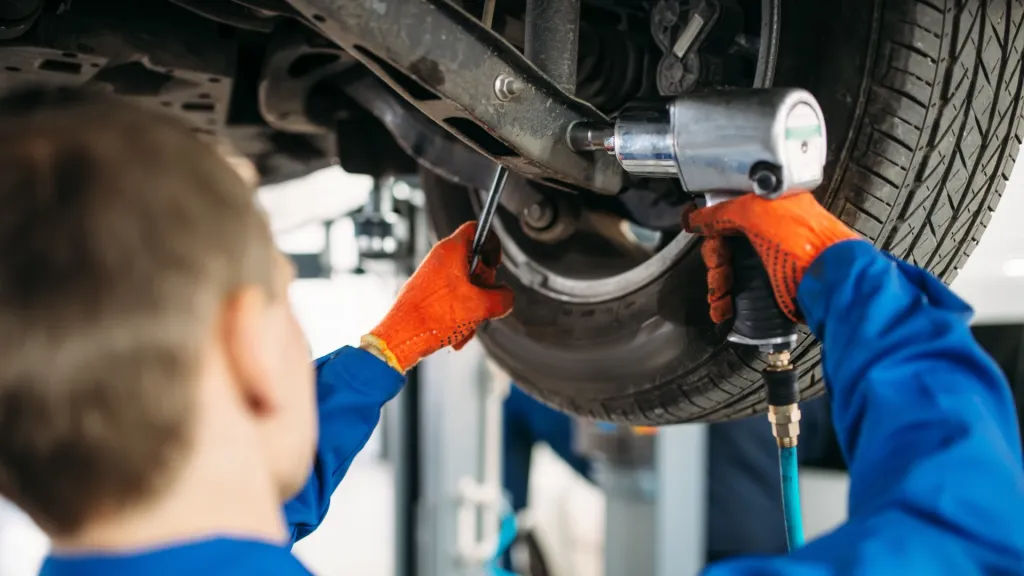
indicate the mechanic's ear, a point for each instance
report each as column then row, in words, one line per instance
column 243, row 335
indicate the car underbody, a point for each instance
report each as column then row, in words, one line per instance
column 611, row 320
column 281, row 79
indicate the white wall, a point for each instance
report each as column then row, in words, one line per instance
column 992, row 281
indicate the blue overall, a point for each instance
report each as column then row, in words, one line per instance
column 924, row 418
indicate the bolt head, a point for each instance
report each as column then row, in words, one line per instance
column 506, row 87
column 766, row 182
column 539, row 215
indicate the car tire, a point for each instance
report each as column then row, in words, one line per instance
column 922, row 100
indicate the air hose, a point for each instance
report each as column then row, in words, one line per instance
column 784, row 413
column 760, row 322
column 791, row 497
column 506, row 537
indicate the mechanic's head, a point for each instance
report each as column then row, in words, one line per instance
column 144, row 318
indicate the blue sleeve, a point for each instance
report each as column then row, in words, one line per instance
column 926, row 422
column 351, row 387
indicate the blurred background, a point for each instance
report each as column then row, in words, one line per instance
column 595, row 504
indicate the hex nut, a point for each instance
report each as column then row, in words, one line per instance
column 506, row 87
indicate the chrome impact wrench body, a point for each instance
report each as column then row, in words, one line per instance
column 769, row 142
column 765, row 142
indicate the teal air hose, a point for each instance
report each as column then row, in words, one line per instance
column 506, row 537
column 788, row 470
column 783, row 391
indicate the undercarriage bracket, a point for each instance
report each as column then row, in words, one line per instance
column 445, row 63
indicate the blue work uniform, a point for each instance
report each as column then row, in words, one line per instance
column 351, row 387
column 924, row 418
column 925, row 421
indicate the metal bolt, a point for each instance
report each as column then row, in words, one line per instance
column 539, row 215
column 766, row 181
column 587, row 136
column 506, row 87
column 766, row 178
column 778, row 359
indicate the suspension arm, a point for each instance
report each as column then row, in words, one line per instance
column 472, row 82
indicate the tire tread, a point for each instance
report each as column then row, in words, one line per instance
column 956, row 144
column 925, row 165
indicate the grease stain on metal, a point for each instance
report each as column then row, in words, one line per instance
column 428, row 72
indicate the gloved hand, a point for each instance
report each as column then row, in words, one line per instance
column 440, row 305
column 787, row 233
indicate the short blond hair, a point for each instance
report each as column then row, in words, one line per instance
column 120, row 236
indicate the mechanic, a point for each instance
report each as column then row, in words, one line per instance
column 155, row 408
column 924, row 417
column 157, row 405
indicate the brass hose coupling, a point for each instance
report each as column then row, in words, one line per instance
column 785, row 424
column 783, row 392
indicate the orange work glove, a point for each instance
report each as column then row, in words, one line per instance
column 718, row 258
column 787, row 233
column 439, row 305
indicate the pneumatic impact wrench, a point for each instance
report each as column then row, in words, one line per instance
column 769, row 142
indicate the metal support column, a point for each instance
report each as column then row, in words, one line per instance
column 656, row 496
column 460, row 463
column 402, row 445
column 630, row 510
column 681, row 458
column 401, row 418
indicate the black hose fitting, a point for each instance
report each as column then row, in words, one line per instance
column 782, row 388
column 782, row 385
